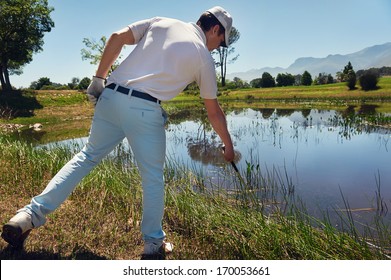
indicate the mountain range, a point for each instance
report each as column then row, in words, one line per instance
column 376, row 56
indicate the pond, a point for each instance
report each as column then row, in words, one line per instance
column 333, row 160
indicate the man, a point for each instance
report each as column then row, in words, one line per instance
column 169, row 55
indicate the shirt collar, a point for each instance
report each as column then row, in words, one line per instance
column 200, row 32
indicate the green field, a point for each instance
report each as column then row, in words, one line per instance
column 332, row 96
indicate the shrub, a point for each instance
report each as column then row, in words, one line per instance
column 48, row 87
column 63, row 87
column 369, row 80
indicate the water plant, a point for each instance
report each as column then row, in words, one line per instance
column 101, row 219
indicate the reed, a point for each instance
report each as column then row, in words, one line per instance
column 101, row 218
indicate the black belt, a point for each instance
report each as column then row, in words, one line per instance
column 133, row 92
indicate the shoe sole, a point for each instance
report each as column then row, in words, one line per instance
column 13, row 235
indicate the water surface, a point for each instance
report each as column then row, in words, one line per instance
column 326, row 155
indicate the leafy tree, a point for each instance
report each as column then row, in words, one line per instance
column 239, row 83
column 298, row 80
column 267, row 80
column 84, row 83
column 322, row 79
column 369, row 80
column 306, row 79
column 74, row 83
column 223, row 54
column 351, row 79
column 339, row 76
column 330, row 79
column 256, row 83
column 94, row 50
column 284, row 80
column 22, row 27
column 44, row 81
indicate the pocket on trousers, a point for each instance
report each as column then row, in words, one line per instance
column 141, row 109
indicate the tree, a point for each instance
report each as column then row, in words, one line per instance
column 44, row 81
column 345, row 72
column 223, row 54
column 351, row 79
column 369, row 80
column 267, row 80
column 74, row 83
column 330, row 79
column 256, row 83
column 298, row 80
column 339, row 76
column 306, row 79
column 322, row 79
column 22, row 27
column 284, row 80
column 84, row 83
column 94, row 52
column 380, row 72
column 239, row 83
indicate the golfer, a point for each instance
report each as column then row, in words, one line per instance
column 169, row 54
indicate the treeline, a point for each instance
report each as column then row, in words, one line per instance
column 265, row 81
column 45, row 83
column 380, row 72
column 347, row 75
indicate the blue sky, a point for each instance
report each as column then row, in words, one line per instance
column 273, row 32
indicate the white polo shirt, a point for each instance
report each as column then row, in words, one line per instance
column 170, row 54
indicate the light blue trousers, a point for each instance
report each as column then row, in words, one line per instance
column 116, row 116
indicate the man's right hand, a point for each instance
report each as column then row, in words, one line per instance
column 95, row 89
column 229, row 153
column 217, row 119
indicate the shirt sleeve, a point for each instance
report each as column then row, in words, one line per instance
column 206, row 80
column 139, row 28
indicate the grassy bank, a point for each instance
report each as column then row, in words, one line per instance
column 63, row 114
column 101, row 219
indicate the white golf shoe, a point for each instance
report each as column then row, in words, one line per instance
column 17, row 229
column 156, row 250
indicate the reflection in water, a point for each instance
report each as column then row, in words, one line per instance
column 207, row 149
column 208, row 152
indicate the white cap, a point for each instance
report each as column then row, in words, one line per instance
column 225, row 19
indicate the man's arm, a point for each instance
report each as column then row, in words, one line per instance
column 113, row 48
column 110, row 54
column 216, row 117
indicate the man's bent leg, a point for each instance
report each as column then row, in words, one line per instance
column 104, row 136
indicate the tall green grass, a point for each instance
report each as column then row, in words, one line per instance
column 260, row 218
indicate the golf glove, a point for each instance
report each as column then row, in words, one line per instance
column 95, row 89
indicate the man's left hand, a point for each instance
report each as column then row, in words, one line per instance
column 95, row 89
